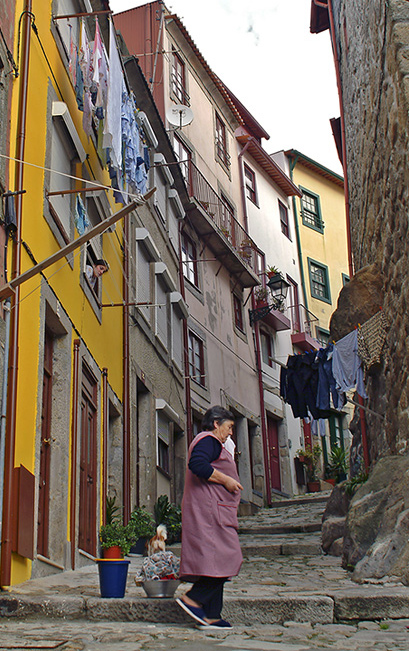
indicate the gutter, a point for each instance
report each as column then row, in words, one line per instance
column 293, row 163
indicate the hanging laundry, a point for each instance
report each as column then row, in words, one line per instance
column 326, row 381
column 79, row 86
column 299, row 386
column 81, row 218
column 100, row 76
column 141, row 175
column 85, row 57
column 346, row 365
column 72, row 63
column 87, row 116
column 371, row 339
column 112, row 125
column 146, row 157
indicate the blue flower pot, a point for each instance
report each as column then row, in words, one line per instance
column 112, row 577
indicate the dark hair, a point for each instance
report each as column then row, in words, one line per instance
column 215, row 413
column 101, row 262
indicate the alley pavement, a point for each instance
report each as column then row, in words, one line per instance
column 287, row 597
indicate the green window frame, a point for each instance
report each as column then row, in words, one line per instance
column 311, row 210
column 336, row 431
column 322, row 335
column 319, row 281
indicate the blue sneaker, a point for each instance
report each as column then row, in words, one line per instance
column 220, row 624
column 197, row 613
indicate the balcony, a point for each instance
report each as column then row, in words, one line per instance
column 302, row 320
column 218, row 228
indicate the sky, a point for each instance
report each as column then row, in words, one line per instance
column 264, row 52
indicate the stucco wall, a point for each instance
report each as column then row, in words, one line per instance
column 374, row 56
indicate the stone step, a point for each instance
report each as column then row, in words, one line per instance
column 277, row 529
column 254, row 546
column 313, row 608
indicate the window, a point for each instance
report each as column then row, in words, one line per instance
column 285, row 228
column 267, row 348
column 221, row 142
column 319, row 281
column 294, row 305
column 143, row 279
column 336, row 432
column 189, row 260
column 179, row 79
column 311, row 210
column 163, row 442
column 196, row 359
column 322, row 336
column 238, row 312
column 184, row 156
column 250, row 182
column 161, row 311
column 345, row 279
column 227, row 221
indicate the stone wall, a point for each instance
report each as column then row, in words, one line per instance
column 373, row 48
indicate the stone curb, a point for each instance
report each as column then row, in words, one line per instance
column 315, row 609
column 281, row 549
column 281, row 529
column 383, row 606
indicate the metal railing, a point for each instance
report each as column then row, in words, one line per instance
column 302, row 319
column 222, row 215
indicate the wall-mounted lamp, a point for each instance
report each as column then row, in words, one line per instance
column 278, row 287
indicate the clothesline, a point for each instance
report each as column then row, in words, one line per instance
column 308, row 381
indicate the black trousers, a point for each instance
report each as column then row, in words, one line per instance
column 208, row 592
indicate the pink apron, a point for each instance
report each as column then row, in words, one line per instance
column 210, row 543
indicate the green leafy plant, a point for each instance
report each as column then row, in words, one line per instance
column 271, row 270
column 141, row 523
column 338, row 463
column 310, row 460
column 261, row 294
column 116, row 535
column 170, row 515
column 354, row 483
column 112, row 510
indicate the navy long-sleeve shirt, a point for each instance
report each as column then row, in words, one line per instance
column 207, row 450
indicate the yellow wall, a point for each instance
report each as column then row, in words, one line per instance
column 104, row 341
column 330, row 247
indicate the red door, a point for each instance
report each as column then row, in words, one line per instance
column 88, row 465
column 273, row 453
column 45, row 448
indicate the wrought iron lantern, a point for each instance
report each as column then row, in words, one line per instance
column 278, row 287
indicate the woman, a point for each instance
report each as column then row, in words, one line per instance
column 210, row 545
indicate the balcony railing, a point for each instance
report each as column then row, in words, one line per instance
column 222, row 216
column 302, row 319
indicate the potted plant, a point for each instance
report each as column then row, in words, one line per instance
column 338, row 465
column 246, row 249
column 272, row 271
column 261, row 295
column 116, row 540
column 170, row 515
column 311, row 461
column 142, row 527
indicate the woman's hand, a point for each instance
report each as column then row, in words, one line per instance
column 230, row 484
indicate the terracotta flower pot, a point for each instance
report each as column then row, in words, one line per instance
column 112, row 552
column 313, row 486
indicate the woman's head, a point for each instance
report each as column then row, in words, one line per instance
column 215, row 417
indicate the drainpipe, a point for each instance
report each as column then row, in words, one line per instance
column 6, row 309
column 293, row 163
column 365, row 447
column 5, row 564
column 188, row 397
column 126, row 459
column 105, row 415
column 257, row 347
column 74, row 438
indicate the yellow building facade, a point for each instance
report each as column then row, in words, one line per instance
column 322, row 232
column 66, row 354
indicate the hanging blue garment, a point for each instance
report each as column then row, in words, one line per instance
column 146, row 157
column 81, row 218
column 326, row 381
column 347, row 366
column 79, row 85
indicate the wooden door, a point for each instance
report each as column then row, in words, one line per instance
column 43, row 517
column 88, row 465
column 273, row 453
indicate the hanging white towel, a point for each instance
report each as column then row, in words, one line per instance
column 112, row 124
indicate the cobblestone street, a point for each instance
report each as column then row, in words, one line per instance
column 287, row 597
